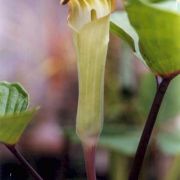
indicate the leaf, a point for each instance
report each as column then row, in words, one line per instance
column 159, row 35
column 121, row 27
column 13, row 98
column 12, row 126
column 153, row 31
column 13, row 115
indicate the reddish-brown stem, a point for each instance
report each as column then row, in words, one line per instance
column 162, row 85
column 89, row 156
column 23, row 161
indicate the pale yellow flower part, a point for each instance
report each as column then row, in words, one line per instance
column 89, row 21
column 82, row 12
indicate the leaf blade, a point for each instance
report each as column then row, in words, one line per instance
column 120, row 26
column 158, row 30
column 12, row 126
column 14, row 116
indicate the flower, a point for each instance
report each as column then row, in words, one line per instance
column 89, row 21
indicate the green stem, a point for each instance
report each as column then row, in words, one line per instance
column 162, row 85
column 23, row 161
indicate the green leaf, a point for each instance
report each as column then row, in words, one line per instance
column 159, row 35
column 12, row 126
column 13, row 115
column 153, row 32
column 121, row 27
column 13, row 98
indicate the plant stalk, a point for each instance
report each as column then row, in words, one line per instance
column 89, row 156
column 162, row 85
column 23, row 161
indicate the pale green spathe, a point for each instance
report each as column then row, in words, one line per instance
column 89, row 21
column 91, row 47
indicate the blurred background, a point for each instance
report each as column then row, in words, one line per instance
column 36, row 49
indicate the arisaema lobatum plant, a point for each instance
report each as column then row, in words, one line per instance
column 152, row 29
column 14, row 118
column 89, row 21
